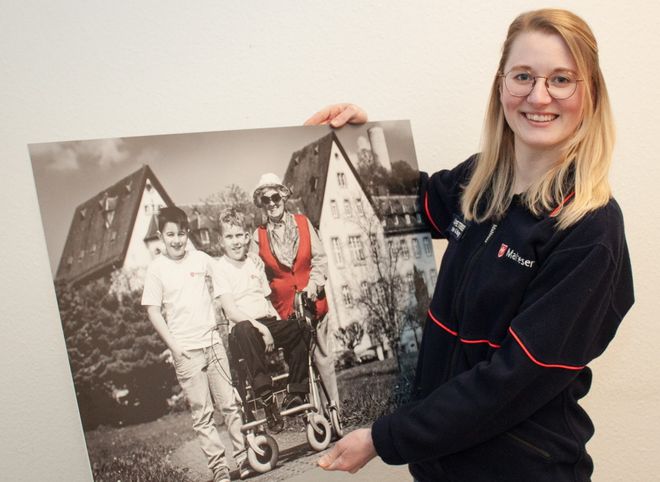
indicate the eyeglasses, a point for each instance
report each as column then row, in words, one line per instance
column 275, row 198
column 520, row 83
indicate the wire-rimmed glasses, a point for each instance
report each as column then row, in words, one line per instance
column 560, row 85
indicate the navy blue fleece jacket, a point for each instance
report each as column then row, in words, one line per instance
column 520, row 308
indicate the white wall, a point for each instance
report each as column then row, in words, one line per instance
column 92, row 69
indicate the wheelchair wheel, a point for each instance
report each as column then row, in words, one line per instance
column 318, row 432
column 267, row 461
column 336, row 422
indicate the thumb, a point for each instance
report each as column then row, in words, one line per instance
column 327, row 459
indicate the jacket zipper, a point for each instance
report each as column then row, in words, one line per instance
column 530, row 446
column 461, row 282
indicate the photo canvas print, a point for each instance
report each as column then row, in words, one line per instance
column 234, row 302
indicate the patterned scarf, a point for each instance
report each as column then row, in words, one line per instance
column 283, row 238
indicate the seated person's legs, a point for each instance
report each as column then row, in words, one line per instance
column 246, row 342
column 289, row 335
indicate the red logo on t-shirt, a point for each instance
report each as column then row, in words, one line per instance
column 502, row 251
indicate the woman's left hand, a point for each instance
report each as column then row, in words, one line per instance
column 337, row 115
column 351, row 453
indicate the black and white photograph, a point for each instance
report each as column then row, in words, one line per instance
column 233, row 302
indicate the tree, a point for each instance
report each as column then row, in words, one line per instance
column 385, row 299
column 119, row 373
column 403, row 179
column 351, row 335
column 422, row 300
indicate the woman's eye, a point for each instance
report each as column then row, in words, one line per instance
column 522, row 77
column 560, row 80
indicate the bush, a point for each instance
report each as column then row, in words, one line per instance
column 115, row 355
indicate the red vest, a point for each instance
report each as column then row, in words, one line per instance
column 284, row 281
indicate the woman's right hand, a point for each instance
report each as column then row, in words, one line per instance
column 337, row 115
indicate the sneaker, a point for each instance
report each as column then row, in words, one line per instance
column 292, row 400
column 221, row 474
column 244, row 469
column 273, row 417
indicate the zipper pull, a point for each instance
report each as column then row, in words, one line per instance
column 490, row 233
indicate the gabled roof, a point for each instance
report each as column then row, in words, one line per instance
column 307, row 174
column 101, row 228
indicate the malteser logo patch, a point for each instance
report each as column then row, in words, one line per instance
column 510, row 253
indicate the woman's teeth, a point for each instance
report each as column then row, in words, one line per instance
column 541, row 117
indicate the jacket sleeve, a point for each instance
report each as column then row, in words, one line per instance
column 440, row 196
column 570, row 312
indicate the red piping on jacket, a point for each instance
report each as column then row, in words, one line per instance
column 531, row 357
column 495, row 345
column 463, row 340
column 428, row 213
column 555, row 211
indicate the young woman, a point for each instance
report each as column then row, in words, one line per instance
column 534, row 282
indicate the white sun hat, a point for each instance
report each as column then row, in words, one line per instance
column 269, row 181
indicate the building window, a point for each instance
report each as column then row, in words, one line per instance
column 403, row 247
column 433, row 275
column 336, row 250
column 316, row 149
column 410, row 281
column 357, row 250
column 204, row 236
column 417, row 251
column 428, row 249
column 113, row 235
column 373, row 242
column 81, row 255
column 391, row 249
column 359, row 207
column 419, row 217
column 334, row 209
column 364, row 289
column 341, row 179
column 93, row 248
column 396, row 220
column 346, row 295
column 408, row 219
column 347, row 208
column 313, row 183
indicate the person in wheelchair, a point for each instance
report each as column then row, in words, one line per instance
column 294, row 261
column 244, row 292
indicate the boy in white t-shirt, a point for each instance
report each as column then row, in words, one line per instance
column 243, row 290
column 180, row 281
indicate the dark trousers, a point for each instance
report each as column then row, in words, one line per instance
column 246, row 342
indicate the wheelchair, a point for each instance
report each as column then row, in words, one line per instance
column 321, row 418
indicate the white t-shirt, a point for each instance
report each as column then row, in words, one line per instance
column 247, row 284
column 183, row 288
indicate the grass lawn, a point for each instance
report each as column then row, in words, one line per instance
column 139, row 453
column 373, row 389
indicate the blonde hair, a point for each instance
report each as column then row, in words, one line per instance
column 585, row 160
